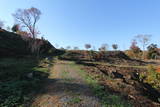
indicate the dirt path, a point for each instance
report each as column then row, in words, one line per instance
column 66, row 88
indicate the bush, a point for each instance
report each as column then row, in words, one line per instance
column 152, row 76
column 152, row 51
column 131, row 54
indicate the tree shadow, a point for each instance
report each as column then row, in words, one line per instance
column 19, row 77
column 64, row 89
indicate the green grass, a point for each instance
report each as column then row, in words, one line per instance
column 15, row 86
column 65, row 74
column 107, row 99
column 75, row 100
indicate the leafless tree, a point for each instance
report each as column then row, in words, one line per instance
column 144, row 40
column 115, row 46
column 68, row 47
column 76, row 48
column 28, row 18
column 87, row 46
column 104, row 47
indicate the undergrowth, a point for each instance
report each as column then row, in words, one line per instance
column 107, row 99
column 151, row 76
column 16, row 87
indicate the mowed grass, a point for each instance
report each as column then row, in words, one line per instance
column 16, row 87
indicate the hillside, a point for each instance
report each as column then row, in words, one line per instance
column 111, row 57
column 12, row 44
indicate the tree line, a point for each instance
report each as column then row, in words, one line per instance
column 26, row 25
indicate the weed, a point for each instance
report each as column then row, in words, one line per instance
column 75, row 100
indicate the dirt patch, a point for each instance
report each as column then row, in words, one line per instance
column 125, row 81
column 66, row 88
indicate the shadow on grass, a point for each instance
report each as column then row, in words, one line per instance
column 19, row 78
column 62, row 88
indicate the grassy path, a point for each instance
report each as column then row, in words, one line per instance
column 66, row 88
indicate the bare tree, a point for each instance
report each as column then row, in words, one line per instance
column 115, row 46
column 76, row 48
column 28, row 18
column 68, row 47
column 144, row 40
column 104, row 47
column 87, row 46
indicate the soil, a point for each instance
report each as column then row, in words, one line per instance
column 125, row 81
column 65, row 87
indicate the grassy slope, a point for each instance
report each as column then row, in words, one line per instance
column 15, row 86
column 12, row 44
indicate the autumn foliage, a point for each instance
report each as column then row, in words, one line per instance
column 158, row 69
column 134, row 51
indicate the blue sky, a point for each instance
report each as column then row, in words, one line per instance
column 77, row 22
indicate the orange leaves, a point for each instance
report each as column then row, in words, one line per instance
column 158, row 69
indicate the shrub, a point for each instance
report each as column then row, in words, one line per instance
column 152, row 76
column 15, row 28
column 152, row 51
column 135, row 51
column 158, row 69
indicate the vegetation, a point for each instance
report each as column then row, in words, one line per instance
column 12, row 44
column 87, row 46
column 104, row 47
column 144, row 40
column 115, row 46
column 107, row 99
column 135, row 51
column 16, row 28
column 152, row 76
column 23, row 69
column 153, row 51
column 16, row 84
column 28, row 18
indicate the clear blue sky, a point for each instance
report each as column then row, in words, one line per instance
column 76, row 22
